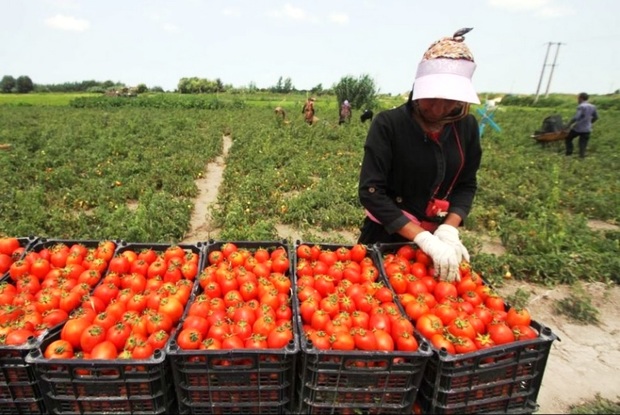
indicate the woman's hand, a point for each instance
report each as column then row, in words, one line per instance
column 443, row 255
column 450, row 235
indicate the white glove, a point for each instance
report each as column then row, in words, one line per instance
column 450, row 235
column 443, row 255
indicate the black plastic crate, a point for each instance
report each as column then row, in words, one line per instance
column 81, row 386
column 19, row 386
column 334, row 382
column 502, row 379
column 364, row 382
column 237, row 381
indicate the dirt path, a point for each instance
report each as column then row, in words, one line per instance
column 583, row 362
column 201, row 228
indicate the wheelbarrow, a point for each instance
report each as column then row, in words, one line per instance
column 552, row 129
column 550, row 136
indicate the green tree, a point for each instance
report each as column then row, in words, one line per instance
column 317, row 90
column 7, row 84
column 288, row 85
column 360, row 92
column 24, row 84
column 141, row 88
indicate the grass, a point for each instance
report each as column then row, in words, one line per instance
column 578, row 306
column 597, row 405
column 39, row 99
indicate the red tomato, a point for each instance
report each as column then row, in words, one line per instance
column 280, row 264
column 444, row 290
column 407, row 251
column 445, row 312
column 39, row 268
column 105, row 350
column 523, row 332
column 342, row 341
column 142, row 350
column 464, row 345
column 54, row 317
column 500, row 333
column 158, row 321
column 441, row 342
column 8, row 244
column 105, row 320
column 59, row 349
column 365, row 339
column 385, row 342
column 172, row 307
column 73, row 329
column 280, row 337
column 119, row 264
column 461, row 327
column 494, row 302
column 92, row 336
column 418, row 270
column 5, row 263
column 197, row 322
column 118, row 334
column 483, row 341
column 428, row 325
column 189, row 339
column 358, row 252
column 406, row 342
column 256, row 341
column 18, row 337
column 518, row 317
column 159, row 339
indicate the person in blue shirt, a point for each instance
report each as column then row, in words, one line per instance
column 581, row 125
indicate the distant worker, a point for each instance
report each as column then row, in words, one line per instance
column 345, row 112
column 308, row 111
column 366, row 116
column 581, row 125
column 279, row 111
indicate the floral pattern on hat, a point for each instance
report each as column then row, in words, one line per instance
column 450, row 48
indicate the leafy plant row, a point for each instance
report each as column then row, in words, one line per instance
column 128, row 173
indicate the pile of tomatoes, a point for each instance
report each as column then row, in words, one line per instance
column 134, row 309
column 11, row 250
column 344, row 306
column 462, row 316
column 244, row 301
column 46, row 284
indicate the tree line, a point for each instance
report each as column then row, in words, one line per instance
column 360, row 92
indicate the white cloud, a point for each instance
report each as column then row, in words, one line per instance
column 518, row 5
column 540, row 8
column 70, row 23
column 290, row 12
column 552, row 11
column 170, row 28
column 232, row 11
column 340, row 18
column 65, row 4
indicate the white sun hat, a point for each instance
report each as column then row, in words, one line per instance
column 446, row 71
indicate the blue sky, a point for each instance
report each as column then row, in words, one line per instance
column 158, row 42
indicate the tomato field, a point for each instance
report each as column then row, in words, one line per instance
column 128, row 172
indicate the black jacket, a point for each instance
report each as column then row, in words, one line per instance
column 402, row 167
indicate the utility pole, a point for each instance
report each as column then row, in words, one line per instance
column 557, row 51
column 542, row 73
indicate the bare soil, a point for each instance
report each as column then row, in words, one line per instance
column 584, row 359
